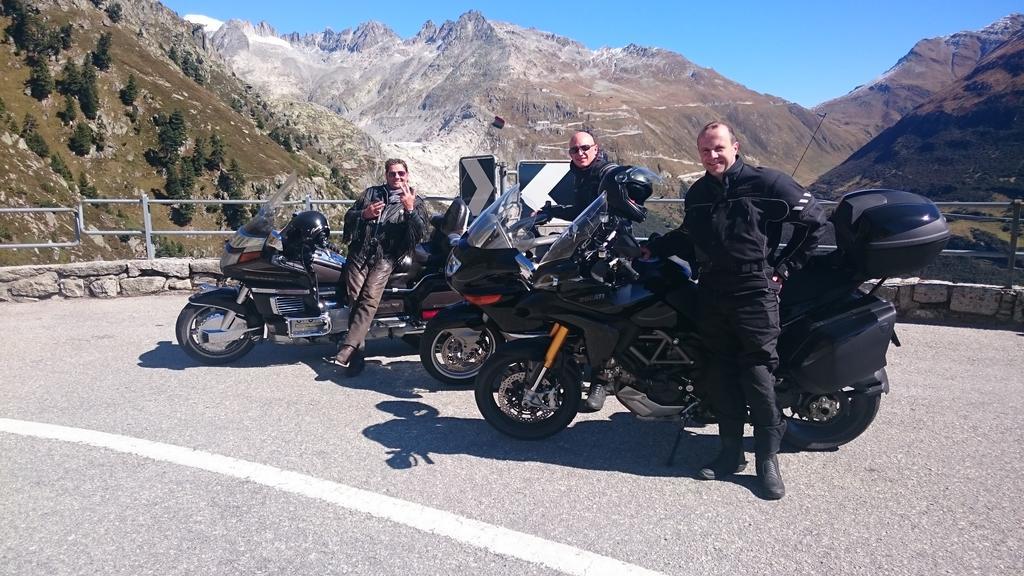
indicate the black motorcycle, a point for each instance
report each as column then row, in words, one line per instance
column 286, row 288
column 634, row 327
column 449, row 344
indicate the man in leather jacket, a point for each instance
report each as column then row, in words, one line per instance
column 588, row 166
column 382, row 227
column 732, row 228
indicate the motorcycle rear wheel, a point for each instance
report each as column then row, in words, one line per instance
column 501, row 384
column 853, row 416
column 193, row 318
column 454, row 353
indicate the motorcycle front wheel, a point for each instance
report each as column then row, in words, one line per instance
column 826, row 422
column 453, row 353
column 501, row 388
column 193, row 318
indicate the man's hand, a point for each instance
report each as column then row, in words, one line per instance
column 408, row 197
column 780, row 274
column 372, row 212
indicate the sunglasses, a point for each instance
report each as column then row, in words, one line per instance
column 584, row 148
column 396, row 174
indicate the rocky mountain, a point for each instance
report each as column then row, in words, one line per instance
column 931, row 66
column 432, row 97
column 965, row 143
column 119, row 99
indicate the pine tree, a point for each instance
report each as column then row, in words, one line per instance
column 40, row 81
column 81, row 140
column 101, row 55
column 28, row 124
column 33, row 139
column 69, row 113
column 181, row 214
column 199, row 155
column 232, row 183
column 37, row 144
column 88, row 93
column 64, row 35
column 188, row 177
column 70, row 79
column 130, row 90
column 172, row 184
column 115, row 12
column 171, row 135
column 58, row 165
column 86, row 189
column 216, row 158
column 237, row 178
column 225, row 185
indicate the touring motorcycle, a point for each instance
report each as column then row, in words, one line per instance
column 634, row 326
column 287, row 291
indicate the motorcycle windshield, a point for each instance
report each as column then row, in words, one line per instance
column 582, row 229
column 271, row 212
column 502, row 223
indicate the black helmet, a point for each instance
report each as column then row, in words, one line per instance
column 309, row 228
column 627, row 188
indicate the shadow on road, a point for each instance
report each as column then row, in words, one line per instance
column 168, row 355
column 620, row 443
column 383, row 373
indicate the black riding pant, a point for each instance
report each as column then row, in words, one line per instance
column 740, row 325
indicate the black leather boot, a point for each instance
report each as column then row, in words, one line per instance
column 770, row 476
column 729, row 461
column 357, row 363
column 595, row 398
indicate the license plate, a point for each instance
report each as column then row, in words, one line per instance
column 453, row 266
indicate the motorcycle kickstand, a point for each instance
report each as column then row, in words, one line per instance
column 675, row 446
column 684, row 416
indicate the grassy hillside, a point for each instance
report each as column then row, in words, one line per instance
column 172, row 73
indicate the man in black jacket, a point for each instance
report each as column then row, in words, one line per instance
column 587, row 168
column 589, row 165
column 382, row 227
column 732, row 228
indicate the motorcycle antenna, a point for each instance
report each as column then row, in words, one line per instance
column 821, row 118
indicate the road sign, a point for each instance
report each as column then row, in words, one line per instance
column 544, row 181
column 477, row 181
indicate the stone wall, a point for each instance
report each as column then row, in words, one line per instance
column 915, row 299
column 105, row 279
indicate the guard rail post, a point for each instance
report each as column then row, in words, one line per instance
column 147, row 222
column 1011, row 263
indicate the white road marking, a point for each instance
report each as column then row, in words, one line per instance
column 496, row 539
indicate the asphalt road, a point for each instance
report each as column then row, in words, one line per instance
column 933, row 487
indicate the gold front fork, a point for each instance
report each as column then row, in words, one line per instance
column 558, row 334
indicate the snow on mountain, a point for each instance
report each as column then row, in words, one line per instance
column 210, row 25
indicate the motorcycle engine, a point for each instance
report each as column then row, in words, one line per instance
column 663, row 396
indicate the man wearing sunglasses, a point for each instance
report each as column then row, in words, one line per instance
column 588, row 165
column 381, row 228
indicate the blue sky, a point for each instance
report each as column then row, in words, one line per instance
column 806, row 52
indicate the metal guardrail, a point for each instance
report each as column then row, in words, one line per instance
column 309, row 203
